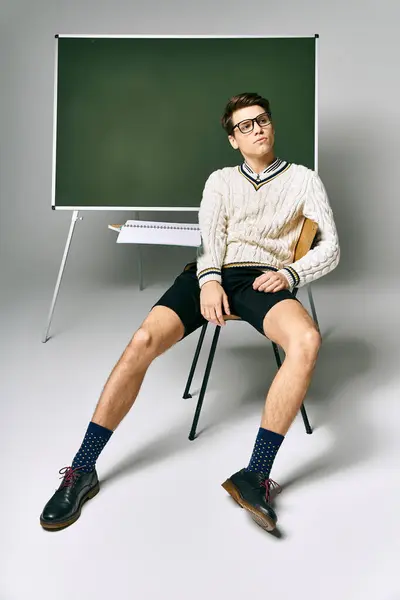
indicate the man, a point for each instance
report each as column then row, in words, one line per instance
column 250, row 219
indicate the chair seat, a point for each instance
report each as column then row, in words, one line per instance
column 236, row 318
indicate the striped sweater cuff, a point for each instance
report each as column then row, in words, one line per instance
column 291, row 275
column 211, row 274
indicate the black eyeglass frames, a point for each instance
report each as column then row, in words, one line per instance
column 247, row 125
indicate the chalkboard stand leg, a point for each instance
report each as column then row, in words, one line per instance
column 74, row 219
column 139, row 250
column 139, row 255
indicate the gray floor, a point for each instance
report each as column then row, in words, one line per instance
column 162, row 525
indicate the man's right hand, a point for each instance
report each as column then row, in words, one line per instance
column 212, row 299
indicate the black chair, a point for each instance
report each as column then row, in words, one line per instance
column 305, row 242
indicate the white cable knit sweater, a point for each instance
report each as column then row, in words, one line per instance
column 255, row 220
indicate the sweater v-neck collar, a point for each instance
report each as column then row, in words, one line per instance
column 277, row 167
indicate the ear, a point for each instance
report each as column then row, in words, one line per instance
column 233, row 142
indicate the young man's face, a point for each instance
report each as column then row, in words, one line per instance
column 256, row 142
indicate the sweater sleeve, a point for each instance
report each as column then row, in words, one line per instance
column 325, row 255
column 213, row 229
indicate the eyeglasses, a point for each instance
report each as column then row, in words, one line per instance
column 247, row 125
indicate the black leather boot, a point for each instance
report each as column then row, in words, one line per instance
column 64, row 507
column 252, row 491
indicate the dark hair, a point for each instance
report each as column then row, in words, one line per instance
column 241, row 101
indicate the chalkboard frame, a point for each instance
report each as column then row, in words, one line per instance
column 160, row 208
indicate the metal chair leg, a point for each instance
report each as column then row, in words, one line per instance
column 277, row 355
column 312, row 305
column 303, row 410
column 305, row 419
column 186, row 393
column 214, row 343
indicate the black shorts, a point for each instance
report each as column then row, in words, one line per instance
column 183, row 297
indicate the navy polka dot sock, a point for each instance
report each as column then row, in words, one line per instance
column 265, row 449
column 95, row 439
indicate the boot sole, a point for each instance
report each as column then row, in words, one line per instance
column 60, row 525
column 259, row 517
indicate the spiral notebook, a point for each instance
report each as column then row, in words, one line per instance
column 157, row 232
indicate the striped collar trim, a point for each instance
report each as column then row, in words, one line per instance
column 273, row 170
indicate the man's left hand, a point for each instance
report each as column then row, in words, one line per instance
column 271, row 282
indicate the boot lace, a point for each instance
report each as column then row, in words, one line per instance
column 270, row 485
column 69, row 475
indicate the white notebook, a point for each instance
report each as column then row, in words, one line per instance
column 157, row 232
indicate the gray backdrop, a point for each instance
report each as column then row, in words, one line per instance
column 162, row 526
column 359, row 129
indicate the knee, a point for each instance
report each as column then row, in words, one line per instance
column 306, row 345
column 143, row 344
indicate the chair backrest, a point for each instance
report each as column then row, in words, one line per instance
column 306, row 238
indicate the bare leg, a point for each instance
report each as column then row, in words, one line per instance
column 289, row 325
column 161, row 329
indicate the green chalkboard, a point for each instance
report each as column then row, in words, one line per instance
column 138, row 118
